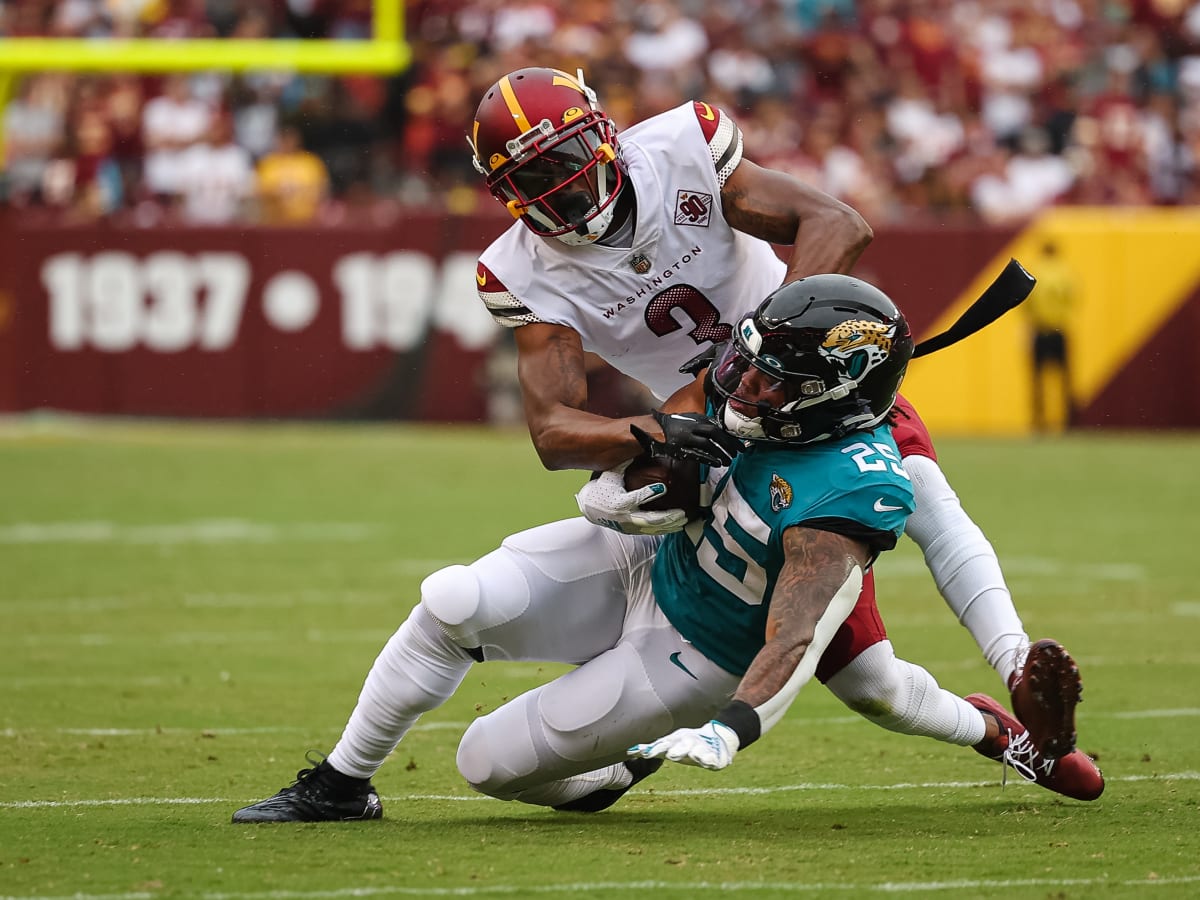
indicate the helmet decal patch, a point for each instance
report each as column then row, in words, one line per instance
column 781, row 493
column 860, row 346
column 750, row 335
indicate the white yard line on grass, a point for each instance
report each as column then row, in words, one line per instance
column 697, row 792
column 243, row 600
column 373, row 636
column 1186, row 712
column 198, row 531
column 750, row 887
column 1152, row 713
column 633, row 887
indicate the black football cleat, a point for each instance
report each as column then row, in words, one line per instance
column 641, row 769
column 319, row 794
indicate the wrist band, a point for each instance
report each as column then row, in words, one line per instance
column 741, row 718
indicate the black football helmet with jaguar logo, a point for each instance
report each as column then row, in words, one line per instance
column 819, row 358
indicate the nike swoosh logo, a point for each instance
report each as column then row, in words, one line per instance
column 480, row 278
column 707, row 115
column 675, row 660
column 880, row 506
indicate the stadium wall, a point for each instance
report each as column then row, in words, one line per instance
column 383, row 323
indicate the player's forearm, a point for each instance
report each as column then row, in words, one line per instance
column 765, row 681
column 814, row 594
column 790, row 639
column 552, row 370
column 826, row 234
column 831, row 241
column 576, row 439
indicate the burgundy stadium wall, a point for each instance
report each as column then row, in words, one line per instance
column 371, row 323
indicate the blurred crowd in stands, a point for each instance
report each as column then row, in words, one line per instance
column 941, row 110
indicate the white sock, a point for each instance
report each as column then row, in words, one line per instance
column 417, row 670
column 902, row 697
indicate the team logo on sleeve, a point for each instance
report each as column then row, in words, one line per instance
column 781, row 494
column 693, row 208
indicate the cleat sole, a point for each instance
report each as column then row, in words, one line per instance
column 1046, row 696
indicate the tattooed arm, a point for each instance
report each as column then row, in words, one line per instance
column 553, row 376
column 826, row 235
column 815, row 592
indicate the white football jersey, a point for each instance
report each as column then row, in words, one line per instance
column 689, row 276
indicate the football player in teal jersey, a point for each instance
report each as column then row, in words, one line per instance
column 801, row 514
column 763, row 582
column 746, row 598
column 704, row 636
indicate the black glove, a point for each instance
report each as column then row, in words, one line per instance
column 690, row 436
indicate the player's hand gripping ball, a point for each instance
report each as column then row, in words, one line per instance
column 681, row 477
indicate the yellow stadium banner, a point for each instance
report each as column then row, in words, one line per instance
column 1133, row 269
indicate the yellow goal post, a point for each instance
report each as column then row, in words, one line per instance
column 385, row 52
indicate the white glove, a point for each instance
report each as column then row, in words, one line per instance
column 604, row 501
column 712, row 746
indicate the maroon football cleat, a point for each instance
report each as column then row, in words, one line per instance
column 1045, row 692
column 1074, row 775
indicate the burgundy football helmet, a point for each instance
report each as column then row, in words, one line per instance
column 549, row 153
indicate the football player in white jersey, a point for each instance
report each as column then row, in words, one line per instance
column 643, row 249
column 646, row 250
column 672, row 635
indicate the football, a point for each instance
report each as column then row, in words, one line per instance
column 681, row 476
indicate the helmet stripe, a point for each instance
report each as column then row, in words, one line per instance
column 514, row 106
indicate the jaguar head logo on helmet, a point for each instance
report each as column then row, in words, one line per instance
column 819, row 358
column 549, row 153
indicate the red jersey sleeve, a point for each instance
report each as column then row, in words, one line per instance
column 909, row 432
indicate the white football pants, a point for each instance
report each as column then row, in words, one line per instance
column 577, row 593
column 566, row 592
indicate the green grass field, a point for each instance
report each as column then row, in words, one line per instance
column 187, row 609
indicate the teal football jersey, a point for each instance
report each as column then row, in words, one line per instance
column 714, row 579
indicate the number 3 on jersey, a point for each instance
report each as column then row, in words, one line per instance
column 660, row 317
